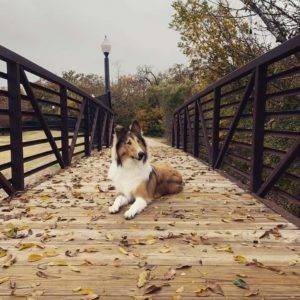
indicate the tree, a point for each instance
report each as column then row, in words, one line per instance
column 280, row 18
column 215, row 39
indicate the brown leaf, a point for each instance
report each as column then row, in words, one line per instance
column 170, row 274
column 214, row 287
column 152, row 289
column 252, row 293
column 181, row 266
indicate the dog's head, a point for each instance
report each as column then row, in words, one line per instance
column 130, row 144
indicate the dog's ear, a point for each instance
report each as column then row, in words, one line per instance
column 120, row 131
column 136, row 128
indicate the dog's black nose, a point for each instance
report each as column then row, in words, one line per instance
column 141, row 155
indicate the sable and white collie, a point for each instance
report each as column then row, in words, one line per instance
column 134, row 178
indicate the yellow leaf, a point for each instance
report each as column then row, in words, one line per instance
column 50, row 253
column 151, row 240
column 226, row 248
column 59, row 262
column 24, row 246
column 91, row 250
column 180, row 290
column 122, row 250
column 74, row 269
column 240, row 259
column 3, row 252
column 143, row 278
column 109, row 236
column 86, row 291
column 77, row 289
column 200, row 290
column 165, row 249
column 34, row 257
column 4, row 279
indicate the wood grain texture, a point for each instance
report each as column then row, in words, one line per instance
column 204, row 227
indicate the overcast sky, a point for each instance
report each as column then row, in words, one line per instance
column 66, row 34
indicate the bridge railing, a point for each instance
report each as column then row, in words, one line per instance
column 44, row 120
column 247, row 124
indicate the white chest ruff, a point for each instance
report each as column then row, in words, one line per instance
column 129, row 176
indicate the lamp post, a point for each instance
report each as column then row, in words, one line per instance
column 106, row 47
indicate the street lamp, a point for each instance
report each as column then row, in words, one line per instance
column 106, row 47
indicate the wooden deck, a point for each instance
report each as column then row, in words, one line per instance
column 62, row 243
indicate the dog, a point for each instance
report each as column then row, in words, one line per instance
column 135, row 179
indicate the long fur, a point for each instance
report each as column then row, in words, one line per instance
column 135, row 179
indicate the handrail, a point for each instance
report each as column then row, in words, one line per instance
column 86, row 116
column 8, row 55
column 289, row 47
column 225, row 142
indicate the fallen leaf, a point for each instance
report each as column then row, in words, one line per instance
column 109, row 237
column 251, row 293
column 50, row 253
column 165, row 249
column 4, row 279
column 181, row 266
column 241, row 283
column 258, row 264
column 170, row 274
column 143, row 278
column 86, row 291
column 59, row 262
column 240, row 259
column 74, row 269
column 152, row 289
column 123, row 251
column 91, row 250
column 24, row 246
column 226, row 248
column 34, row 257
column 214, row 287
column 180, row 290
column 3, row 252
column 201, row 291
column 9, row 261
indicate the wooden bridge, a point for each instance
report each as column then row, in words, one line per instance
column 224, row 236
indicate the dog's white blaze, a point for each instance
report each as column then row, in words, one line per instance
column 129, row 176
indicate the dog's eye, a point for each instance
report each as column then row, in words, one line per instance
column 129, row 143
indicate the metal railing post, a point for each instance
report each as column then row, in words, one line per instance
column 15, row 124
column 259, row 105
column 64, row 125
column 216, row 125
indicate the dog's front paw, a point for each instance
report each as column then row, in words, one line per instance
column 113, row 209
column 129, row 214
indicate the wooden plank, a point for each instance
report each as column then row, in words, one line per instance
column 15, row 125
column 41, row 118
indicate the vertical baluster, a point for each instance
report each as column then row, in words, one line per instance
column 196, row 130
column 177, row 131
column 216, row 125
column 259, row 105
column 15, row 125
column 87, row 148
column 64, row 125
column 185, row 129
